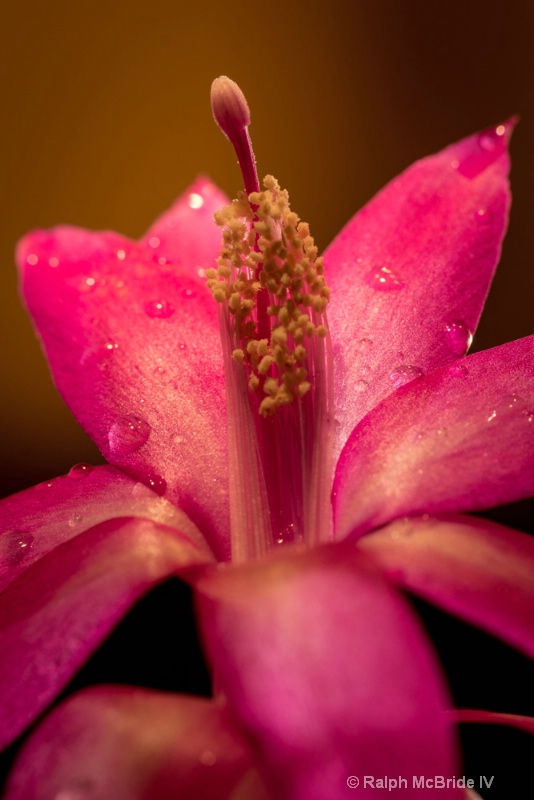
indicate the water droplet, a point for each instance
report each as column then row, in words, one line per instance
column 361, row 386
column 32, row 259
column 195, row 200
column 111, row 346
column 481, row 212
column 121, row 255
column 159, row 372
column 403, row 374
column 53, row 262
column 208, row 757
column 14, row 547
column 75, row 520
column 365, row 343
column 80, row 471
column 492, row 139
column 182, row 346
column 383, row 279
column 459, row 370
column 189, row 294
column 176, row 438
column 157, row 484
column 159, row 308
column 511, row 401
column 153, row 242
column 528, row 415
column 400, row 356
column 128, row 434
column 492, row 416
column 459, row 337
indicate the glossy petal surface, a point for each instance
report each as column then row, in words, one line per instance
column 58, row 611
column 410, row 272
column 130, row 744
column 35, row 521
column 132, row 338
column 325, row 671
column 476, row 569
column 459, row 439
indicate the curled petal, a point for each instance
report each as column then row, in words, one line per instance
column 493, row 718
column 132, row 337
column 35, row 521
column 130, row 744
column 325, row 670
column 410, row 272
column 459, row 439
column 475, row 569
column 57, row 612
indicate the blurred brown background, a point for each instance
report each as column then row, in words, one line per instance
column 106, row 118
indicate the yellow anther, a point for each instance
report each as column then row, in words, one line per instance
column 268, row 252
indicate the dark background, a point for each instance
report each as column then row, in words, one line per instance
column 106, row 119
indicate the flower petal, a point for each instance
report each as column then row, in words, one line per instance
column 58, row 611
column 476, row 569
column 35, row 521
column 326, row 671
column 459, row 439
column 409, row 274
column 130, row 744
column 132, row 338
column 491, row 717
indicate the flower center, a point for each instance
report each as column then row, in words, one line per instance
column 272, row 298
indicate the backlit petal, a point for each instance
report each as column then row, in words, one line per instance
column 409, row 274
column 132, row 338
column 58, row 611
column 476, row 569
column 130, row 744
column 327, row 673
column 459, row 439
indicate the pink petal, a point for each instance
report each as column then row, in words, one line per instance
column 410, row 272
column 476, row 569
column 35, row 521
column 327, row 673
column 459, row 439
column 132, row 337
column 58, row 611
column 113, row 743
column 491, row 717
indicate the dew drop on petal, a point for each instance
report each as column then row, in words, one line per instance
column 128, row 434
column 153, row 242
column 195, row 200
column 14, row 547
column 32, row 259
column 365, row 343
column 361, row 386
column 157, row 484
column 177, row 438
column 492, row 139
column 528, row 415
column 493, row 415
column 189, row 294
column 75, row 520
column 459, row 370
column 80, row 471
column 459, row 337
column 53, row 262
column 403, row 374
column 182, row 346
column 121, row 255
column 208, row 758
column 383, row 279
column 161, row 309
column 159, row 372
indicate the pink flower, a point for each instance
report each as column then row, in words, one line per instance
column 321, row 670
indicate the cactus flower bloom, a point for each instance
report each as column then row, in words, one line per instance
column 294, row 436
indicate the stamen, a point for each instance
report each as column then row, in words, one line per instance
column 272, row 295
